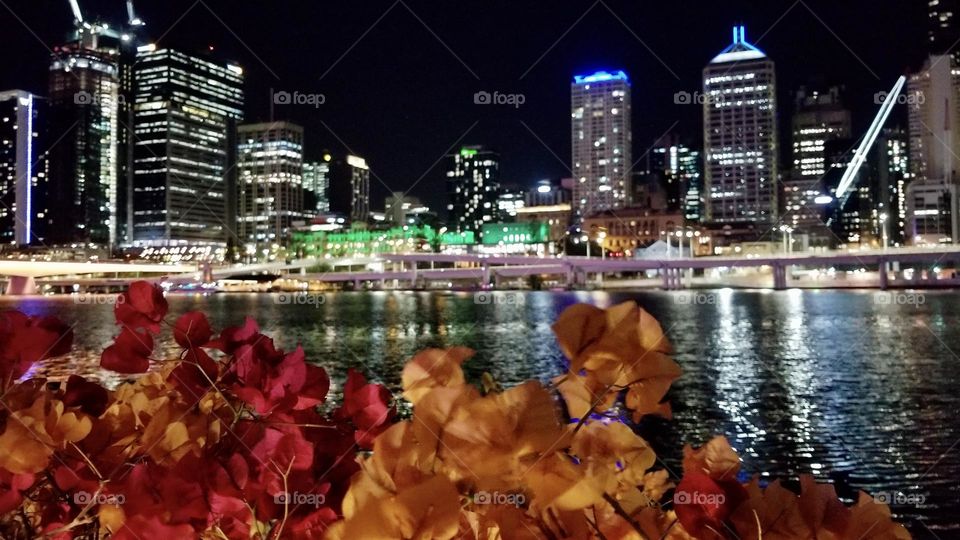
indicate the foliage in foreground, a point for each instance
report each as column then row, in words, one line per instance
column 236, row 439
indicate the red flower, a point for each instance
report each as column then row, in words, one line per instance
column 130, row 353
column 703, row 504
column 192, row 330
column 25, row 340
column 142, row 306
column 367, row 406
column 90, row 397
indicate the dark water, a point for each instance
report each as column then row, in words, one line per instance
column 857, row 391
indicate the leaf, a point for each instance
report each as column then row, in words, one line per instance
column 432, row 368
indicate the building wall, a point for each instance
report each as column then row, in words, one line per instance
column 270, row 163
column 601, row 142
column 186, row 112
column 740, row 137
column 473, row 187
column 83, row 119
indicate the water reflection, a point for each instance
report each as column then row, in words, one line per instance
column 824, row 382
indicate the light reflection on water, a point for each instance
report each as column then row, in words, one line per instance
column 823, row 382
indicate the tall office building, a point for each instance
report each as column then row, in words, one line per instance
column 933, row 101
column 350, row 188
column 22, row 170
column 316, row 185
column 943, row 27
column 85, row 91
column 187, row 109
column 740, row 136
column 819, row 118
column 676, row 166
column 893, row 177
column 601, row 142
column 473, row 187
column 270, row 161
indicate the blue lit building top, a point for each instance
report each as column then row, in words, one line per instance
column 601, row 76
column 739, row 50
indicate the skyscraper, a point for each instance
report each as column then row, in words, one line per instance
column 22, row 171
column 819, row 118
column 601, row 142
column 677, row 167
column 893, row 170
column 186, row 109
column 270, row 161
column 933, row 103
column 473, row 187
column 350, row 188
column 84, row 117
column 316, row 184
column 740, row 135
column 943, row 27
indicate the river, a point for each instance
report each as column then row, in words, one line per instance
column 856, row 387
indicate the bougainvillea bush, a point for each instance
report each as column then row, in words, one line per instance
column 237, row 439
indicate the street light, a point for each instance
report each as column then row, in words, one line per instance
column 602, row 236
column 883, row 227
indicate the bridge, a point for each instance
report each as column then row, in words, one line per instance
column 22, row 275
column 573, row 271
column 409, row 269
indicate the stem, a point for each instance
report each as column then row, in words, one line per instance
column 623, row 513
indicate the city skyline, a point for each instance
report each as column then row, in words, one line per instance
column 525, row 135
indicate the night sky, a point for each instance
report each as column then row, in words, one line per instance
column 399, row 78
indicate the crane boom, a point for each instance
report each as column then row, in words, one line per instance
column 77, row 15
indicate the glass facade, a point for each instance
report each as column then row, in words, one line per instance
column 601, row 142
column 84, row 164
column 740, row 135
column 186, row 112
column 270, row 161
column 473, row 187
column 22, row 170
column 316, row 182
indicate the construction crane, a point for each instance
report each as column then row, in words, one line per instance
column 77, row 15
column 849, row 178
column 132, row 18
